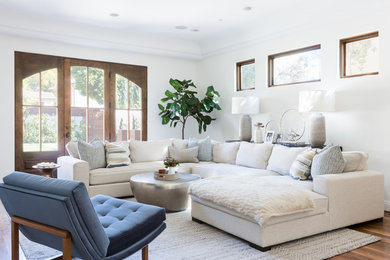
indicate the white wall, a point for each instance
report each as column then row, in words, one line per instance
column 363, row 103
column 160, row 69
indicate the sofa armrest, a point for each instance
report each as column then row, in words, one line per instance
column 354, row 197
column 73, row 169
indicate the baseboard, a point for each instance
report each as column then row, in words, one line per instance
column 387, row 205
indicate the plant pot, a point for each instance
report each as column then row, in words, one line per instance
column 258, row 135
column 172, row 170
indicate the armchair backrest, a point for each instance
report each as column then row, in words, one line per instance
column 59, row 203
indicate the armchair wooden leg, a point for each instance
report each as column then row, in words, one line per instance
column 15, row 240
column 145, row 253
column 66, row 248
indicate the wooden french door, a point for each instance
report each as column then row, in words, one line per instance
column 59, row 99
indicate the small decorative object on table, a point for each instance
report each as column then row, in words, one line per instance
column 258, row 136
column 269, row 137
column 171, row 164
column 46, row 168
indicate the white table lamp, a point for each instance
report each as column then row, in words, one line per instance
column 317, row 101
column 245, row 106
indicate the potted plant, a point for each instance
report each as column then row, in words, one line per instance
column 171, row 164
column 183, row 103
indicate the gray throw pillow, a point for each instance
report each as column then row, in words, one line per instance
column 93, row 153
column 205, row 148
column 328, row 161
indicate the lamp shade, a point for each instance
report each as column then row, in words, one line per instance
column 317, row 101
column 245, row 105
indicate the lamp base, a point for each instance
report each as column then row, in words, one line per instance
column 317, row 130
column 245, row 128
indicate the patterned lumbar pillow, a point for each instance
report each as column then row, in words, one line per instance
column 328, row 161
column 93, row 153
column 205, row 148
column 184, row 155
column 117, row 154
column 300, row 169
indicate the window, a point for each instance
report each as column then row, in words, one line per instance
column 294, row 67
column 61, row 99
column 359, row 55
column 245, row 71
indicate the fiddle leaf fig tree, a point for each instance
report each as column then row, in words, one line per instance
column 178, row 106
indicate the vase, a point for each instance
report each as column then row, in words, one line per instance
column 172, row 170
column 258, row 135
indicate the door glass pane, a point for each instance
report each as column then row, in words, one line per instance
column 31, row 129
column 121, row 124
column 31, row 90
column 49, row 129
column 49, row 87
column 135, row 125
column 121, row 92
column 78, row 86
column 79, row 124
column 96, row 87
column 96, row 123
column 135, row 96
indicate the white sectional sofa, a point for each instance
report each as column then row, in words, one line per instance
column 340, row 200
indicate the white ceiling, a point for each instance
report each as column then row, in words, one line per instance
column 150, row 24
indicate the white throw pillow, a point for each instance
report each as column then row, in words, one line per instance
column 117, row 154
column 149, row 151
column 179, row 143
column 282, row 157
column 189, row 155
column 72, row 149
column 355, row 161
column 225, row 152
column 254, row 155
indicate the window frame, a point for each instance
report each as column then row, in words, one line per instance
column 343, row 54
column 238, row 74
column 272, row 57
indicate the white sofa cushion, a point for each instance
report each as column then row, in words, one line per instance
column 253, row 155
column 179, row 143
column 282, row 157
column 355, row 161
column 149, row 151
column 184, row 155
column 225, row 152
column 222, row 169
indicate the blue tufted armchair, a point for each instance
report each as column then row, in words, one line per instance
column 59, row 214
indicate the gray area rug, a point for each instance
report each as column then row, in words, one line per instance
column 185, row 239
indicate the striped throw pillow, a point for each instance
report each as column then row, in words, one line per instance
column 300, row 169
column 117, row 154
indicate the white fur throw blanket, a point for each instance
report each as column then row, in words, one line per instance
column 255, row 196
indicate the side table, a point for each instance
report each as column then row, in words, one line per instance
column 47, row 170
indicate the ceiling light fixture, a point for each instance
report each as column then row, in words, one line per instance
column 114, row 14
column 247, row 8
column 194, row 30
column 181, row 27
column 220, row 20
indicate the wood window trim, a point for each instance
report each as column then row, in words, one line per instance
column 27, row 64
column 343, row 44
column 286, row 53
column 238, row 73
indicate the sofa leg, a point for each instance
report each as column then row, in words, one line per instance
column 262, row 249
column 197, row 220
column 145, row 253
column 15, row 240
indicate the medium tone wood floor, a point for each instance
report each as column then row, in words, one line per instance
column 378, row 250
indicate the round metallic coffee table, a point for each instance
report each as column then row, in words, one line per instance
column 171, row 195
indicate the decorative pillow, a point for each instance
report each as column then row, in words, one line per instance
column 72, row 150
column 117, row 154
column 282, row 157
column 225, row 152
column 205, row 148
column 179, row 143
column 329, row 161
column 93, row 153
column 184, row 155
column 355, row 161
column 254, row 155
column 300, row 169
column 149, row 151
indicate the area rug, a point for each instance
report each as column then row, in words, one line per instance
column 185, row 239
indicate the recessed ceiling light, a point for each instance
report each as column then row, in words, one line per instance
column 220, row 20
column 194, row 30
column 247, row 8
column 114, row 14
column 181, row 27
